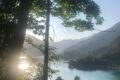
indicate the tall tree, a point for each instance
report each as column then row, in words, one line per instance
column 14, row 25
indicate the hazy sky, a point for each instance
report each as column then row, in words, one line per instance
column 110, row 10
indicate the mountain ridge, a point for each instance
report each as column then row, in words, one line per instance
column 101, row 39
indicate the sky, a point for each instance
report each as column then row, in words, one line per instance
column 110, row 11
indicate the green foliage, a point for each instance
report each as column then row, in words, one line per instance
column 2, row 69
column 70, row 10
column 2, row 37
column 52, row 55
column 15, row 14
column 52, row 59
column 77, row 78
column 67, row 10
column 59, row 78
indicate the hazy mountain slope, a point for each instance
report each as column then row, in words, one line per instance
column 92, row 43
column 101, row 59
column 34, row 39
column 31, row 50
column 60, row 46
column 113, row 48
column 64, row 44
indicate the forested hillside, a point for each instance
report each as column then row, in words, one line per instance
column 104, row 58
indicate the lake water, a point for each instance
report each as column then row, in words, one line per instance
column 68, row 74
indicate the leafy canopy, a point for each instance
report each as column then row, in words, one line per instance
column 70, row 11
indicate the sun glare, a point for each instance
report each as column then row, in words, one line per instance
column 23, row 64
column 22, row 57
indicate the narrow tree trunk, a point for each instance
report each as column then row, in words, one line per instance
column 46, row 55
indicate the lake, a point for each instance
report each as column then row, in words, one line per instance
column 68, row 74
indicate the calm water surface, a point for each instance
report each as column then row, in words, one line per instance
column 68, row 74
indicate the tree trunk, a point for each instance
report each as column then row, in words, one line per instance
column 14, row 40
column 46, row 56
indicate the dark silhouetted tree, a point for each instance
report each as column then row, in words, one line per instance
column 59, row 78
column 77, row 78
